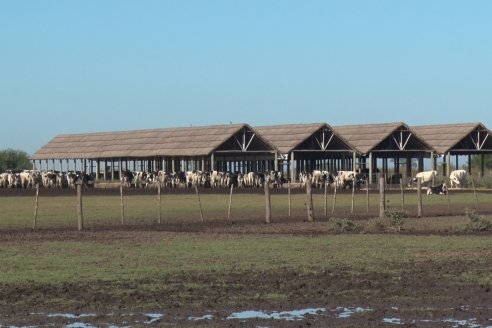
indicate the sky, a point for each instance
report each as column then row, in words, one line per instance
column 90, row 66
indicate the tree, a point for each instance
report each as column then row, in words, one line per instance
column 11, row 159
column 476, row 162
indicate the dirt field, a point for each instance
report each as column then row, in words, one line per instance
column 452, row 288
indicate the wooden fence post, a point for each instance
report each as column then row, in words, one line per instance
column 268, row 206
column 80, row 217
column 402, row 195
column 230, row 203
column 309, row 201
column 35, row 207
column 159, row 202
column 367, row 197
column 326, row 199
column 334, row 199
column 382, row 198
column 288, row 191
column 199, row 203
column 475, row 192
column 353, row 193
column 122, row 205
column 419, row 198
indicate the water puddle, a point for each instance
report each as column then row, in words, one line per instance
column 127, row 320
column 345, row 312
column 284, row 315
column 203, row 317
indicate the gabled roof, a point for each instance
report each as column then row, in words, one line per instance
column 367, row 137
column 445, row 137
column 287, row 137
column 184, row 141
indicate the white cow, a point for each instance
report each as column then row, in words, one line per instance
column 458, row 178
column 345, row 178
column 425, row 176
column 4, row 180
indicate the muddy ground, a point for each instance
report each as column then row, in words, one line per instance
column 342, row 298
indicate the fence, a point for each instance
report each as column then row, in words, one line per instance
column 113, row 207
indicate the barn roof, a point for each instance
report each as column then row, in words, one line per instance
column 370, row 137
column 289, row 137
column 183, row 141
column 458, row 137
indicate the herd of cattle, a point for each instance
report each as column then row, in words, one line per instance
column 47, row 179
column 215, row 179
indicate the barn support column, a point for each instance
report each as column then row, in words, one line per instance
column 469, row 165
column 457, row 164
column 370, row 168
column 292, row 167
column 212, row 162
column 97, row 169
column 409, row 167
column 85, row 165
column 448, row 165
column 482, row 165
column 354, row 161
column 397, row 165
column 173, row 165
column 421, row 163
column 105, row 166
column 275, row 161
column 112, row 169
column 433, row 161
column 75, row 164
column 120, row 168
column 203, row 163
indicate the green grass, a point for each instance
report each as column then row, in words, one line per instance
column 122, row 260
column 17, row 212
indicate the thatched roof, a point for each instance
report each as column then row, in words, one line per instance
column 184, row 141
column 366, row 137
column 445, row 137
column 288, row 137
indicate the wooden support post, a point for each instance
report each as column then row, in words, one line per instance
column 326, row 199
column 474, row 192
column 230, row 203
column 122, row 204
column 288, row 191
column 80, row 217
column 159, row 202
column 353, row 197
column 367, row 198
column 199, row 203
column 333, row 205
column 268, row 205
column 292, row 167
column 371, row 169
column 35, row 207
column 382, row 198
column 309, row 200
column 402, row 195
column 419, row 198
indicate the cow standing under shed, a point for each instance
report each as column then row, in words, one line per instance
column 458, row 178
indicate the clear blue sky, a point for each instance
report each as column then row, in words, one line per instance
column 86, row 66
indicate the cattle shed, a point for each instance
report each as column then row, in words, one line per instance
column 465, row 139
column 231, row 147
column 396, row 141
column 308, row 147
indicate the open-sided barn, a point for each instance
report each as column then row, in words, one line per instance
column 291, row 148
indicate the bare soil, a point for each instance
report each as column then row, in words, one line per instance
column 422, row 296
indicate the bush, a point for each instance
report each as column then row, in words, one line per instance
column 396, row 218
column 345, row 225
column 477, row 223
column 381, row 224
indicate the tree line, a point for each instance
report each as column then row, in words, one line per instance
column 14, row 159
